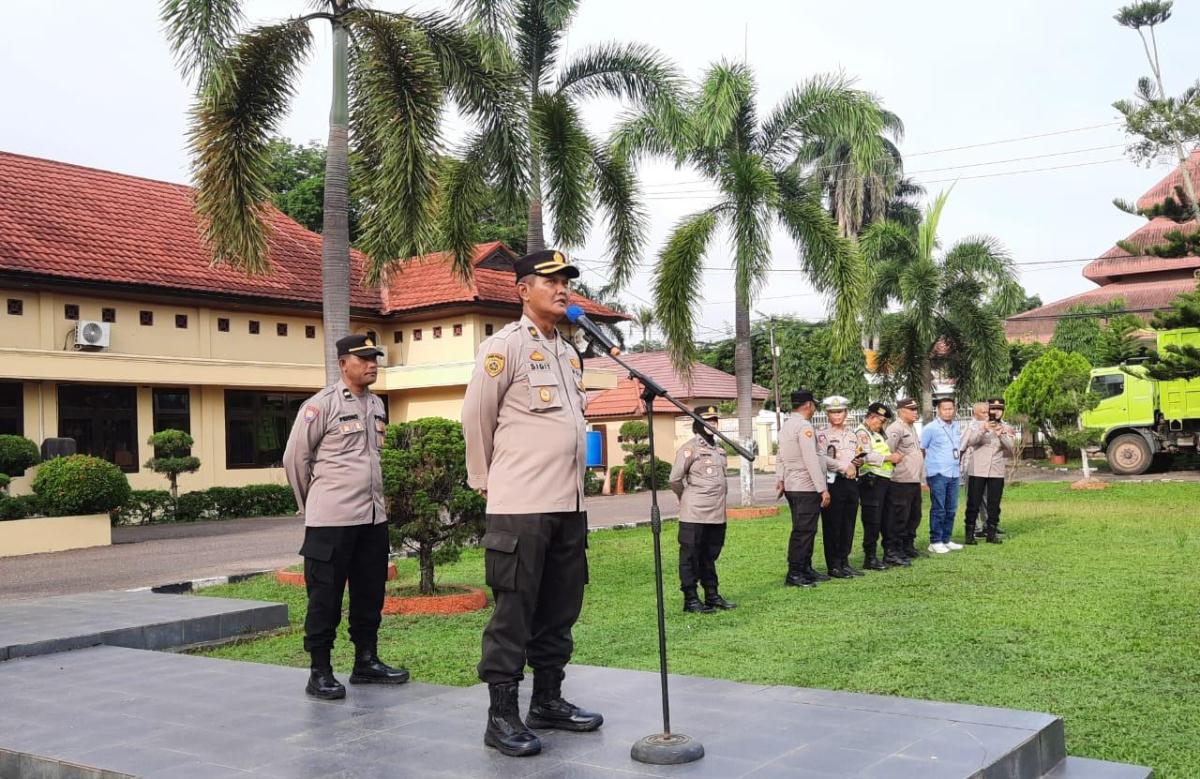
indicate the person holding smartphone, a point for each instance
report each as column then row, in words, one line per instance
column 991, row 444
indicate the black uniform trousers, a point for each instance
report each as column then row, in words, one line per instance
column 700, row 544
column 904, row 514
column 984, row 491
column 872, row 492
column 805, row 508
column 536, row 565
column 333, row 556
column 838, row 520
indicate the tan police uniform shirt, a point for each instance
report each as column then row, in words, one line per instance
column 987, row 452
column 332, row 458
column 799, row 465
column 845, row 446
column 698, row 480
column 902, row 439
column 523, row 421
column 866, row 445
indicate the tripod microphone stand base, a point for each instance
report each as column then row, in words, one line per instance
column 667, row 749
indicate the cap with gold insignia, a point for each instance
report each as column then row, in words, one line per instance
column 358, row 345
column 545, row 263
column 707, row 411
column 836, row 403
column 995, row 402
column 879, row 409
column 908, row 403
column 802, row 396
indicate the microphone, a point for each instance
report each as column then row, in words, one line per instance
column 576, row 316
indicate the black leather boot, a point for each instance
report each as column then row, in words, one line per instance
column 992, row 538
column 912, row 553
column 969, row 534
column 321, row 682
column 871, row 563
column 714, row 600
column 505, row 730
column 799, row 579
column 815, row 575
column 369, row 669
column 850, row 570
column 896, row 559
column 548, row 709
column 693, row 605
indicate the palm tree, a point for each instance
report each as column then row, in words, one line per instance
column 607, row 298
column 643, row 317
column 393, row 74
column 569, row 170
column 951, row 308
column 752, row 165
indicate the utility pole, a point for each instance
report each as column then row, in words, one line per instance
column 775, row 376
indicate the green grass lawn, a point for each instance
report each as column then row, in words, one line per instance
column 1088, row 610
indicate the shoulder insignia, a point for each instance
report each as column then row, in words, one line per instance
column 311, row 413
column 575, row 363
column 687, row 452
column 808, row 433
column 537, row 356
column 493, row 364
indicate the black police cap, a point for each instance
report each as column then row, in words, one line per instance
column 545, row 263
column 801, row 396
column 879, row 409
column 359, row 346
column 995, row 402
column 908, row 403
column 706, row 411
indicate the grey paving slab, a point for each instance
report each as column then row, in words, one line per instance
column 136, row 620
column 152, row 714
column 1086, row 768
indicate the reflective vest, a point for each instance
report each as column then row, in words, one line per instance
column 880, row 446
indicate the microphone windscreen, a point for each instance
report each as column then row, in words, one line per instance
column 574, row 312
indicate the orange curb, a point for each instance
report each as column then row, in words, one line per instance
column 458, row 603
column 284, row 576
column 751, row 512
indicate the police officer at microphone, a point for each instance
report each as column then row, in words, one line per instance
column 332, row 462
column 524, row 427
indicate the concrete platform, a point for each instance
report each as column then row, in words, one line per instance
column 137, row 620
column 112, row 712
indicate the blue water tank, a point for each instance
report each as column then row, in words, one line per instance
column 595, row 449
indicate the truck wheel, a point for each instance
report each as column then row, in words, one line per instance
column 1129, row 455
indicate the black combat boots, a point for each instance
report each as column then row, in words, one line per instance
column 799, row 579
column 871, row 562
column 969, row 534
column 993, row 535
column 693, row 605
column 321, row 683
column 369, row 669
column 714, row 600
column 548, row 709
column 505, row 730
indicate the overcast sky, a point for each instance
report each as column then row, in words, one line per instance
column 91, row 82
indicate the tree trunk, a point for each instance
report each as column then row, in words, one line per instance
column 335, row 230
column 743, row 367
column 426, row 558
column 535, row 238
column 926, row 398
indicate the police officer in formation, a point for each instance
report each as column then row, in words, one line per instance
column 698, row 480
column 904, row 493
column 987, row 443
column 800, row 475
column 524, row 427
column 332, row 463
column 874, row 476
column 843, row 456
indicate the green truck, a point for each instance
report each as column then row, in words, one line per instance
column 1146, row 422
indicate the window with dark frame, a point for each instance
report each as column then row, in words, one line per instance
column 222, row 324
column 417, row 334
column 310, row 331
column 373, row 336
column 457, row 330
column 12, row 409
column 437, row 332
column 71, row 311
column 16, row 306
column 108, row 315
column 171, row 411
column 280, row 328
column 146, row 318
column 181, row 321
column 488, row 329
column 257, row 425
column 398, row 337
column 253, row 327
column 102, row 419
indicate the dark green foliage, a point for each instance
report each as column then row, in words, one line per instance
column 431, row 508
column 1119, row 341
column 297, row 181
column 593, row 482
column 662, row 474
column 80, row 484
column 635, row 442
column 146, row 507
column 1051, row 392
column 19, row 507
column 632, row 477
column 1184, row 312
column 16, row 454
column 173, row 456
column 255, row 500
column 1178, row 362
column 1081, row 331
column 5, row 480
column 1021, row 353
column 1177, row 243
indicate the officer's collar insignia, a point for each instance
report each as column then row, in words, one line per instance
column 533, row 331
column 493, row 364
column 537, row 356
column 575, row 363
column 347, row 394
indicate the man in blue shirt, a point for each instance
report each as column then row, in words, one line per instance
column 940, row 441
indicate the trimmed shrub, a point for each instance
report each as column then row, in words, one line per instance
column 145, row 507
column 173, row 456
column 80, row 484
column 633, row 477
column 662, row 474
column 593, row 483
column 19, row 507
column 4, row 482
column 16, row 454
column 255, row 500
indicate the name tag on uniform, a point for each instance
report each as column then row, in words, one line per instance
column 352, row 427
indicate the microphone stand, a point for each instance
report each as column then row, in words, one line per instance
column 665, row 748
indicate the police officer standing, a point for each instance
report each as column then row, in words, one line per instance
column 332, row 463
column 904, row 494
column 800, row 475
column 524, row 427
column 990, row 443
column 698, row 480
column 843, row 456
column 873, row 479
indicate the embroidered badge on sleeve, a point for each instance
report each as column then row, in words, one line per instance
column 493, row 364
column 310, row 414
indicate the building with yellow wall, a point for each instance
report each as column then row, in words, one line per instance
column 114, row 325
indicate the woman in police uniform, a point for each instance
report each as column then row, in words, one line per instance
column 698, row 480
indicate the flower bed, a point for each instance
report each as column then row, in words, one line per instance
column 453, row 599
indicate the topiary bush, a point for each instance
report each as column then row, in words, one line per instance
column 80, row 484
column 4, row 482
column 173, row 456
column 19, row 507
column 16, row 454
column 593, row 483
column 633, row 477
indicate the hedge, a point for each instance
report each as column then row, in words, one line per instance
column 256, row 500
column 19, row 507
column 79, row 484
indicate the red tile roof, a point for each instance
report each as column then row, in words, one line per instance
column 1141, row 297
column 70, row 222
column 1170, row 182
column 707, row 384
column 1117, row 263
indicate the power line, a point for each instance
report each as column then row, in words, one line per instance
column 1013, row 140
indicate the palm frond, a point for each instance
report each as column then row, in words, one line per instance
column 617, row 196
column 199, row 32
column 231, row 126
column 396, row 102
column 628, row 71
column 660, row 130
column 678, row 282
column 826, row 107
column 536, row 38
column 927, row 239
column 567, row 155
column 720, row 108
column 920, row 289
column 752, row 194
column 462, row 195
column 493, row 20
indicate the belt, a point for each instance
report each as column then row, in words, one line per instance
column 842, row 476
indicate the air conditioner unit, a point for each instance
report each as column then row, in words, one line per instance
column 92, row 335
